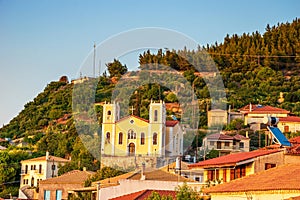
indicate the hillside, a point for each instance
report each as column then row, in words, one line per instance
column 255, row 68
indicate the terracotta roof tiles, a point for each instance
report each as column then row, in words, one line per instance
column 144, row 194
column 51, row 158
column 75, row 176
column 289, row 119
column 232, row 159
column 263, row 109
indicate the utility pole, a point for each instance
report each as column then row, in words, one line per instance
column 94, row 64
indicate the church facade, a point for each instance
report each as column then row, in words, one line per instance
column 135, row 136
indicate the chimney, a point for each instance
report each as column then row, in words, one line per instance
column 143, row 177
column 250, row 108
column 247, row 134
column 84, row 169
column 47, row 155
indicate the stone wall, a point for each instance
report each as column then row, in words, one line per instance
column 133, row 162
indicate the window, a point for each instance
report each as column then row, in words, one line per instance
column 232, row 174
column 142, row 138
column 109, row 112
column 26, row 169
column 155, row 115
column 34, row 167
column 47, row 195
column 31, row 167
column 241, row 145
column 269, row 165
column 40, row 168
column 120, row 138
column 32, row 181
column 58, row 194
column 211, row 143
column 108, row 137
column 286, row 129
column 154, row 138
column 224, row 175
column 24, row 181
column 219, row 146
column 131, row 134
column 210, row 175
column 226, row 144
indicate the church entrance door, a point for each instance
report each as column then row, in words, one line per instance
column 131, row 149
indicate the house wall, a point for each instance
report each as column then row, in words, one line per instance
column 292, row 126
column 257, row 118
column 54, row 187
column 45, row 173
column 264, row 195
column 216, row 117
column 274, row 158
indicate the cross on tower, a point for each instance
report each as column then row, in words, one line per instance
column 132, row 109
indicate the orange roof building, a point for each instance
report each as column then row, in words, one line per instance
column 233, row 166
column 58, row 187
column 145, row 194
column 277, row 183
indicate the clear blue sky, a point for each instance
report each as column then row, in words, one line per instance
column 41, row 40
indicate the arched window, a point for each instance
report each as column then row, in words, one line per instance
column 108, row 137
column 154, row 138
column 120, row 138
column 155, row 115
column 142, row 138
column 109, row 112
column 131, row 134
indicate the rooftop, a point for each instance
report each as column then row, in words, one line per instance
column 72, row 177
column 232, row 159
column 51, row 158
column 221, row 136
column 287, row 177
column 289, row 119
column 144, row 194
column 259, row 109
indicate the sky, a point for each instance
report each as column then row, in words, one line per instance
column 42, row 40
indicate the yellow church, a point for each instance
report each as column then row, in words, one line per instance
column 132, row 135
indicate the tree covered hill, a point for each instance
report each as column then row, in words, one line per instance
column 255, row 68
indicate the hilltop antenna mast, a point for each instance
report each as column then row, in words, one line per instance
column 99, row 68
column 94, row 64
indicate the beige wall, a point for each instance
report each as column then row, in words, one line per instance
column 216, row 117
column 54, row 187
column 274, row 158
column 293, row 126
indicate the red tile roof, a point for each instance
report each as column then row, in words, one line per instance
column 284, row 177
column 51, row 158
column 144, row 194
column 295, row 140
column 171, row 123
column 263, row 109
column 240, row 137
column 72, row 177
column 219, row 136
column 232, row 159
column 289, row 119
